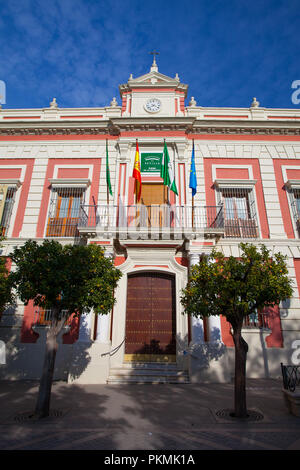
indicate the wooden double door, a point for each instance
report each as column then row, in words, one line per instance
column 150, row 318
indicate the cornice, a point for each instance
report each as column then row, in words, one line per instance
column 248, row 128
column 55, row 128
column 153, row 124
column 115, row 126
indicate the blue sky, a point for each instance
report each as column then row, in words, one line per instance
column 79, row 51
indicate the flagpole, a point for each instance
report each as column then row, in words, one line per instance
column 192, row 211
column 167, row 186
column 193, row 203
column 107, row 190
column 135, row 184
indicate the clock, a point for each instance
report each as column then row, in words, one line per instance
column 153, row 105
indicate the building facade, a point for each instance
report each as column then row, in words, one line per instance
column 53, row 185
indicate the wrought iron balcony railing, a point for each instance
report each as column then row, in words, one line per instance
column 154, row 221
column 43, row 317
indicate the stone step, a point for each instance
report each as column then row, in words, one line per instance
column 138, row 379
column 150, row 365
column 147, row 373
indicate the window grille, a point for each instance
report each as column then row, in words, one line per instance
column 256, row 320
column 295, row 204
column 43, row 317
column 7, row 210
column 64, row 212
column 239, row 212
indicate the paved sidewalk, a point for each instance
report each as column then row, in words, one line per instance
column 147, row 417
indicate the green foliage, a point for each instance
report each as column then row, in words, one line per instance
column 236, row 287
column 71, row 277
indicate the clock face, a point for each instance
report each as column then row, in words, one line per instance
column 153, row 105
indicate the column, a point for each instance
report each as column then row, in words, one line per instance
column 197, row 322
column 103, row 328
column 103, row 321
column 214, row 329
column 213, row 326
column 85, row 327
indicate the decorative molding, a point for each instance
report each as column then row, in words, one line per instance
column 124, row 149
column 234, row 130
column 69, row 182
column 234, row 183
column 181, row 147
column 10, row 182
column 292, row 184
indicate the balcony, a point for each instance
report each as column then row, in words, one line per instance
column 161, row 222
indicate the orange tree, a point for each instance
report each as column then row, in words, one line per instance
column 69, row 280
column 236, row 288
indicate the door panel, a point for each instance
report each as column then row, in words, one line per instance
column 150, row 317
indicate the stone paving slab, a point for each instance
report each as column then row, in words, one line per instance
column 147, row 417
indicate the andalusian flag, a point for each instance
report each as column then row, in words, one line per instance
column 166, row 171
column 137, row 173
column 108, row 183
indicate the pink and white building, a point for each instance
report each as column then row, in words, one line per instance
column 53, row 185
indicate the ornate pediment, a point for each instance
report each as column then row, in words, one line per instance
column 153, row 79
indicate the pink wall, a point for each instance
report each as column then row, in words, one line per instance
column 13, row 173
column 73, row 173
column 24, row 189
column 275, row 339
column 293, row 174
column 232, row 173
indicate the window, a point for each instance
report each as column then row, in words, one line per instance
column 7, row 199
column 64, row 211
column 293, row 188
column 238, row 208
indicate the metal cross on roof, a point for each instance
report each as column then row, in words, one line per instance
column 154, row 53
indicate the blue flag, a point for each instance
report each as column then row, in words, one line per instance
column 193, row 177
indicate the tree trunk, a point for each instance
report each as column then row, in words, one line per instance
column 241, row 349
column 43, row 402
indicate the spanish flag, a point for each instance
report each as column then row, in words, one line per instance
column 137, row 173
